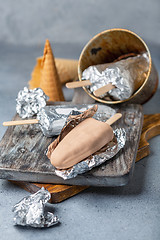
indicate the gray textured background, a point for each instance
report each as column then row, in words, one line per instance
column 73, row 21
column 130, row 212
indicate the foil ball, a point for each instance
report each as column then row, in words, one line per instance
column 30, row 102
column 30, row 211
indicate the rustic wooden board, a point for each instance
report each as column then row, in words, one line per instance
column 22, row 155
column 151, row 128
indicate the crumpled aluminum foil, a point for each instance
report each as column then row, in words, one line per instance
column 30, row 211
column 122, row 74
column 96, row 160
column 30, row 101
column 53, row 118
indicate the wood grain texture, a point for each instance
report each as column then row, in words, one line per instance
column 22, row 155
column 58, row 193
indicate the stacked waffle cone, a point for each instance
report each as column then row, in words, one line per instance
column 49, row 81
column 66, row 68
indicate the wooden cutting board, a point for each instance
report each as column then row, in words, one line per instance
column 22, row 156
column 151, row 128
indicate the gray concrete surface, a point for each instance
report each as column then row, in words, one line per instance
column 129, row 213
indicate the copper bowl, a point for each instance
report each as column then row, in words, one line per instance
column 111, row 44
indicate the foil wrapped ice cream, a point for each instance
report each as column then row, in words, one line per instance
column 30, row 211
column 52, row 118
column 127, row 75
column 101, row 156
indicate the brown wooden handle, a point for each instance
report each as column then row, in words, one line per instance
column 103, row 90
column 114, row 118
column 20, row 122
column 151, row 128
column 78, row 84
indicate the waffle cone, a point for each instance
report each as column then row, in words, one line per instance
column 67, row 71
column 50, row 82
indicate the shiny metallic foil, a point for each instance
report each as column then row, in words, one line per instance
column 53, row 118
column 127, row 75
column 30, row 211
column 30, row 101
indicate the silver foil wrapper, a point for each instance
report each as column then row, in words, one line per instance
column 103, row 113
column 53, row 118
column 96, row 160
column 30, row 211
column 122, row 74
column 30, row 102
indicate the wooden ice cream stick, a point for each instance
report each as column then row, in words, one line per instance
column 103, row 90
column 114, row 118
column 20, row 122
column 34, row 121
column 78, row 84
column 97, row 93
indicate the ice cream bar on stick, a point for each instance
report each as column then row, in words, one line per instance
column 51, row 119
column 100, row 68
column 83, row 140
column 90, row 80
column 94, row 76
column 49, row 130
column 125, row 75
column 85, row 83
